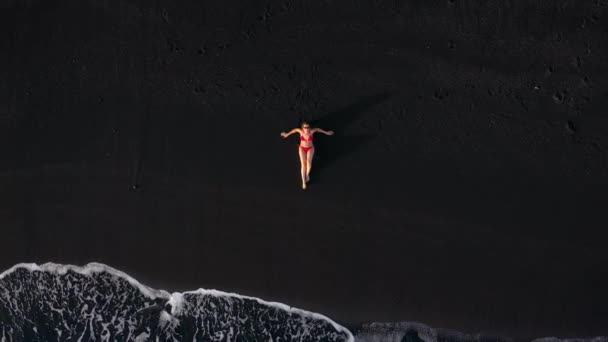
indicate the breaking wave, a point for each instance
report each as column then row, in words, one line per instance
column 55, row 302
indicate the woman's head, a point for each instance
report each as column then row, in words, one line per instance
column 305, row 125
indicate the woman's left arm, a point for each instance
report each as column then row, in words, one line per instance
column 322, row 131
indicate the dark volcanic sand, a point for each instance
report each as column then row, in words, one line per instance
column 465, row 186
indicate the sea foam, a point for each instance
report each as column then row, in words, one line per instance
column 54, row 302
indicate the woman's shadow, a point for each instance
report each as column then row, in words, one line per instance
column 330, row 149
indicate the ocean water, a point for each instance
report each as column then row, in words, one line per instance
column 55, row 302
column 419, row 332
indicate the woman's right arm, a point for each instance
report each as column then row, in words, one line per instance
column 285, row 135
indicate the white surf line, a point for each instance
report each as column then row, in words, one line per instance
column 91, row 268
column 174, row 299
column 177, row 300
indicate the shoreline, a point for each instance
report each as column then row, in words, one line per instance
column 353, row 260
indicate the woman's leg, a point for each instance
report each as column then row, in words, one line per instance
column 309, row 156
column 303, row 166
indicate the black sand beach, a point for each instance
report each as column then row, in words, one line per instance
column 465, row 186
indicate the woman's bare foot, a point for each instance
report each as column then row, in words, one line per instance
column 307, row 178
column 303, row 185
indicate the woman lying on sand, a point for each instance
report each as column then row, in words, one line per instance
column 306, row 149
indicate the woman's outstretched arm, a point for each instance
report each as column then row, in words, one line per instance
column 295, row 130
column 322, row 131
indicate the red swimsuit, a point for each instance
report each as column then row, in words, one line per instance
column 304, row 148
